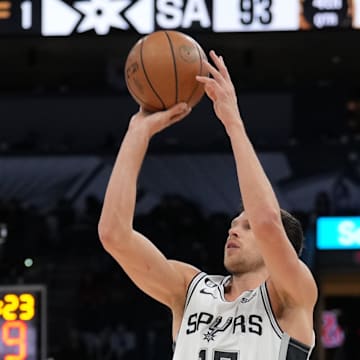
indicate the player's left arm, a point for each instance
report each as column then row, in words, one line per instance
column 287, row 272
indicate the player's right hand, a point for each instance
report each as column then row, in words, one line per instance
column 153, row 123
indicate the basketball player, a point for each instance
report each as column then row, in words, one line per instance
column 264, row 308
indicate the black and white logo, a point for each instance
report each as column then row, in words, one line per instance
column 210, row 289
column 61, row 18
column 66, row 17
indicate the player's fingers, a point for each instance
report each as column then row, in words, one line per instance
column 206, row 80
column 143, row 111
column 176, row 113
column 220, row 64
column 211, row 86
column 213, row 71
column 179, row 116
column 224, row 70
column 177, row 109
column 210, row 92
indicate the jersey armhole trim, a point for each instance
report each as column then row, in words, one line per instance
column 299, row 345
column 284, row 346
column 189, row 292
column 192, row 286
column 291, row 342
column 267, row 304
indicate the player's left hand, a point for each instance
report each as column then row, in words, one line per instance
column 220, row 89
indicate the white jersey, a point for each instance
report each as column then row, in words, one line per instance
column 213, row 328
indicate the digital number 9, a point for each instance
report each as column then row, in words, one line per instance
column 247, row 11
column 19, row 339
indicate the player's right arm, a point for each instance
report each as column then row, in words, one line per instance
column 164, row 280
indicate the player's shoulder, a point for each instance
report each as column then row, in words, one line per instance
column 188, row 271
column 192, row 274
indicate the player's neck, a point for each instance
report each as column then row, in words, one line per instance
column 239, row 283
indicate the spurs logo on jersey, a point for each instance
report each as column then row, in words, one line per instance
column 214, row 290
column 214, row 328
column 208, row 292
column 231, row 325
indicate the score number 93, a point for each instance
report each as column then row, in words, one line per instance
column 255, row 11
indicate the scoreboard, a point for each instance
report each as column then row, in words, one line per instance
column 338, row 233
column 22, row 322
column 102, row 17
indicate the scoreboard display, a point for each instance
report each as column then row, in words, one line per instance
column 338, row 233
column 22, row 322
column 102, row 17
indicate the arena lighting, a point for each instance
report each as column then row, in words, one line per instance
column 28, row 262
column 102, row 17
column 338, row 233
column 3, row 233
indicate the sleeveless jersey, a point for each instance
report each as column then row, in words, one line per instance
column 213, row 328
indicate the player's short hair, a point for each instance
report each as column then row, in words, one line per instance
column 294, row 231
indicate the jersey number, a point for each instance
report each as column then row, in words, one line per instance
column 219, row 355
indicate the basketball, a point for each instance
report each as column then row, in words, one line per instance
column 160, row 70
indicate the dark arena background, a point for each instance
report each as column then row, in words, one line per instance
column 64, row 108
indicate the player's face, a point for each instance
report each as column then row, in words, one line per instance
column 241, row 253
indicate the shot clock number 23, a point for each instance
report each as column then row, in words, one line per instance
column 22, row 322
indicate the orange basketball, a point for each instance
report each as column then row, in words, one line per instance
column 160, row 70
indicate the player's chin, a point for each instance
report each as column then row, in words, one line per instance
column 230, row 262
column 230, row 267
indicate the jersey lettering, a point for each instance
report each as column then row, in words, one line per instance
column 255, row 321
column 192, row 324
column 204, row 318
column 215, row 325
column 194, row 321
column 241, row 323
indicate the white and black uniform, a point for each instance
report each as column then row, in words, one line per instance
column 213, row 328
